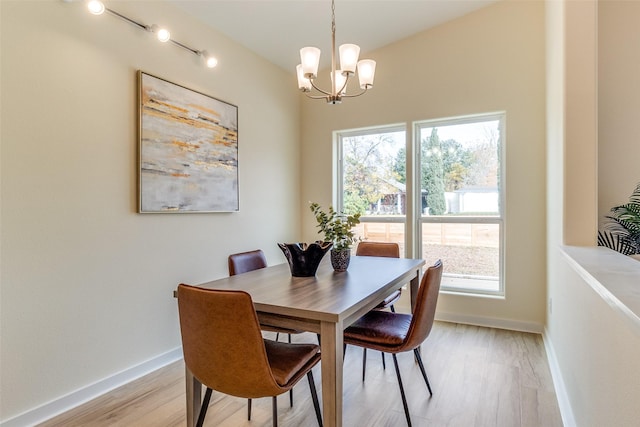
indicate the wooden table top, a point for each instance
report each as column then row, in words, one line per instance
column 328, row 296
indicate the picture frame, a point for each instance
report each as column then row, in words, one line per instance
column 188, row 150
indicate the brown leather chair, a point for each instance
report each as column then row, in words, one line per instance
column 244, row 262
column 381, row 249
column 397, row 332
column 224, row 349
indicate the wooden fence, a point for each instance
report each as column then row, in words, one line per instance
column 448, row 234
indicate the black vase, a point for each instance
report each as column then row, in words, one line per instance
column 304, row 258
column 340, row 259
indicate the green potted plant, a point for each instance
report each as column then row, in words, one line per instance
column 337, row 229
column 622, row 232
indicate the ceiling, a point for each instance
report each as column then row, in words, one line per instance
column 277, row 29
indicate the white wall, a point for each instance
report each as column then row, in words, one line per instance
column 581, row 124
column 593, row 348
column 87, row 282
column 618, row 102
column 490, row 60
column 595, row 344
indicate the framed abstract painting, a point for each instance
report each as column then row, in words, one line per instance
column 188, row 150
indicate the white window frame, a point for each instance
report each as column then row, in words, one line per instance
column 413, row 219
column 499, row 219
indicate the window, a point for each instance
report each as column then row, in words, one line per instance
column 448, row 183
column 460, row 200
column 371, row 181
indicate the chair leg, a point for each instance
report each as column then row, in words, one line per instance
column 291, row 398
column 424, row 373
column 364, row 362
column 249, row 409
column 289, row 338
column 277, row 335
column 314, row 397
column 274, row 404
column 384, row 362
column 404, row 398
column 204, row 407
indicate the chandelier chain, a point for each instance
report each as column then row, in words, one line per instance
column 333, row 48
column 333, row 16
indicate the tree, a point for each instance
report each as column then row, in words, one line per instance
column 484, row 167
column 433, row 174
column 368, row 170
column 353, row 203
column 456, row 161
column 400, row 165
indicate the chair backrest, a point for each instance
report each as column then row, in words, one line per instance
column 222, row 343
column 425, row 310
column 383, row 249
column 246, row 261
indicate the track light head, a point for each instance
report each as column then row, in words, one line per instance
column 96, row 7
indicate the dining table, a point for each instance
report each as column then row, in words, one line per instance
column 324, row 304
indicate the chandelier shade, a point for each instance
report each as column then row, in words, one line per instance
column 341, row 81
column 303, row 82
column 307, row 70
column 366, row 73
column 349, row 57
column 310, row 60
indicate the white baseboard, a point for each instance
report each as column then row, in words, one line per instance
column 491, row 322
column 62, row 404
column 558, row 383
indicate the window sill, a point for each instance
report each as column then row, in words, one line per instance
column 615, row 277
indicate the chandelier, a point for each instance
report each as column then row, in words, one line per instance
column 307, row 70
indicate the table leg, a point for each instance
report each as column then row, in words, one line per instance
column 331, row 363
column 413, row 288
column 194, row 397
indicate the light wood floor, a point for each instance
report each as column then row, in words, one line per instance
column 480, row 377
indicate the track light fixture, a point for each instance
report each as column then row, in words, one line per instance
column 97, row 7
